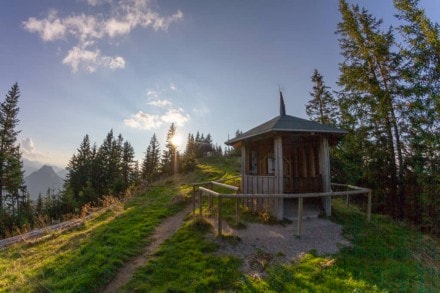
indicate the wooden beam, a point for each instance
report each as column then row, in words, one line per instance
column 227, row 186
column 279, row 174
column 219, row 219
column 300, row 215
column 211, row 199
column 200, row 203
column 324, row 164
column 244, row 187
column 237, row 211
column 194, row 200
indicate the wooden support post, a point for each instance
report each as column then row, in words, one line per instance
column 279, row 174
column 219, row 228
column 211, row 198
column 324, row 169
column 369, row 207
column 237, row 211
column 300, row 215
column 200, row 204
column 347, row 200
column 194, row 201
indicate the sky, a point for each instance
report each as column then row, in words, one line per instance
column 136, row 66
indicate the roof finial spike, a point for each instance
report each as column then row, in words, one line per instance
column 282, row 105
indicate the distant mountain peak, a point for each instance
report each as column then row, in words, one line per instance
column 41, row 180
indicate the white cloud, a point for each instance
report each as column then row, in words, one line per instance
column 143, row 121
column 29, row 150
column 27, row 145
column 91, row 60
column 173, row 87
column 86, row 58
column 164, row 109
column 161, row 23
column 116, row 27
column 113, row 63
column 202, row 110
column 50, row 28
column 160, row 103
column 153, row 94
column 89, row 30
column 176, row 116
column 98, row 2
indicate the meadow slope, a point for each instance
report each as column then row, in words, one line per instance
column 385, row 256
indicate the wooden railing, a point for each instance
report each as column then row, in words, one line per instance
column 203, row 191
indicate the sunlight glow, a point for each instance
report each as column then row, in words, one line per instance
column 177, row 141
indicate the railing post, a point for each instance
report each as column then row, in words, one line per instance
column 200, row 204
column 219, row 228
column 300, row 215
column 194, row 201
column 237, row 211
column 211, row 198
column 369, row 207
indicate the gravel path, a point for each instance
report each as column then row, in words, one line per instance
column 260, row 245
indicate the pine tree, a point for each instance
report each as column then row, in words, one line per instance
column 189, row 156
column 79, row 168
column 322, row 107
column 369, row 96
column 129, row 169
column 420, row 71
column 12, row 188
column 169, row 154
column 8, row 135
column 151, row 163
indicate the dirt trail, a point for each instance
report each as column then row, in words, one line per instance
column 164, row 231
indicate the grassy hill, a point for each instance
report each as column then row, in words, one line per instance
column 385, row 256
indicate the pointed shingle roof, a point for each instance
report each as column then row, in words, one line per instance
column 289, row 124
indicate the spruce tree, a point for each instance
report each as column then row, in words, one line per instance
column 370, row 99
column 420, row 71
column 12, row 188
column 322, row 107
column 169, row 154
column 128, row 165
column 79, row 168
column 151, row 163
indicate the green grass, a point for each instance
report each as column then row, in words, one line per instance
column 385, row 256
column 388, row 254
column 187, row 262
column 87, row 258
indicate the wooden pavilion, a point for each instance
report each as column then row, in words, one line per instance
column 286, row 154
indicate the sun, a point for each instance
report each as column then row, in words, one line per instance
column 177, row 141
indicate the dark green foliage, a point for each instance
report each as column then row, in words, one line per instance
column 369, row 99
column 322, row 107
column 151, row 163
column 390, row 104
column 420, row 85
column 94, row 173
column 168, row 161
column 15, row 207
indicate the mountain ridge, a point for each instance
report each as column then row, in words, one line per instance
column 41, row 180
